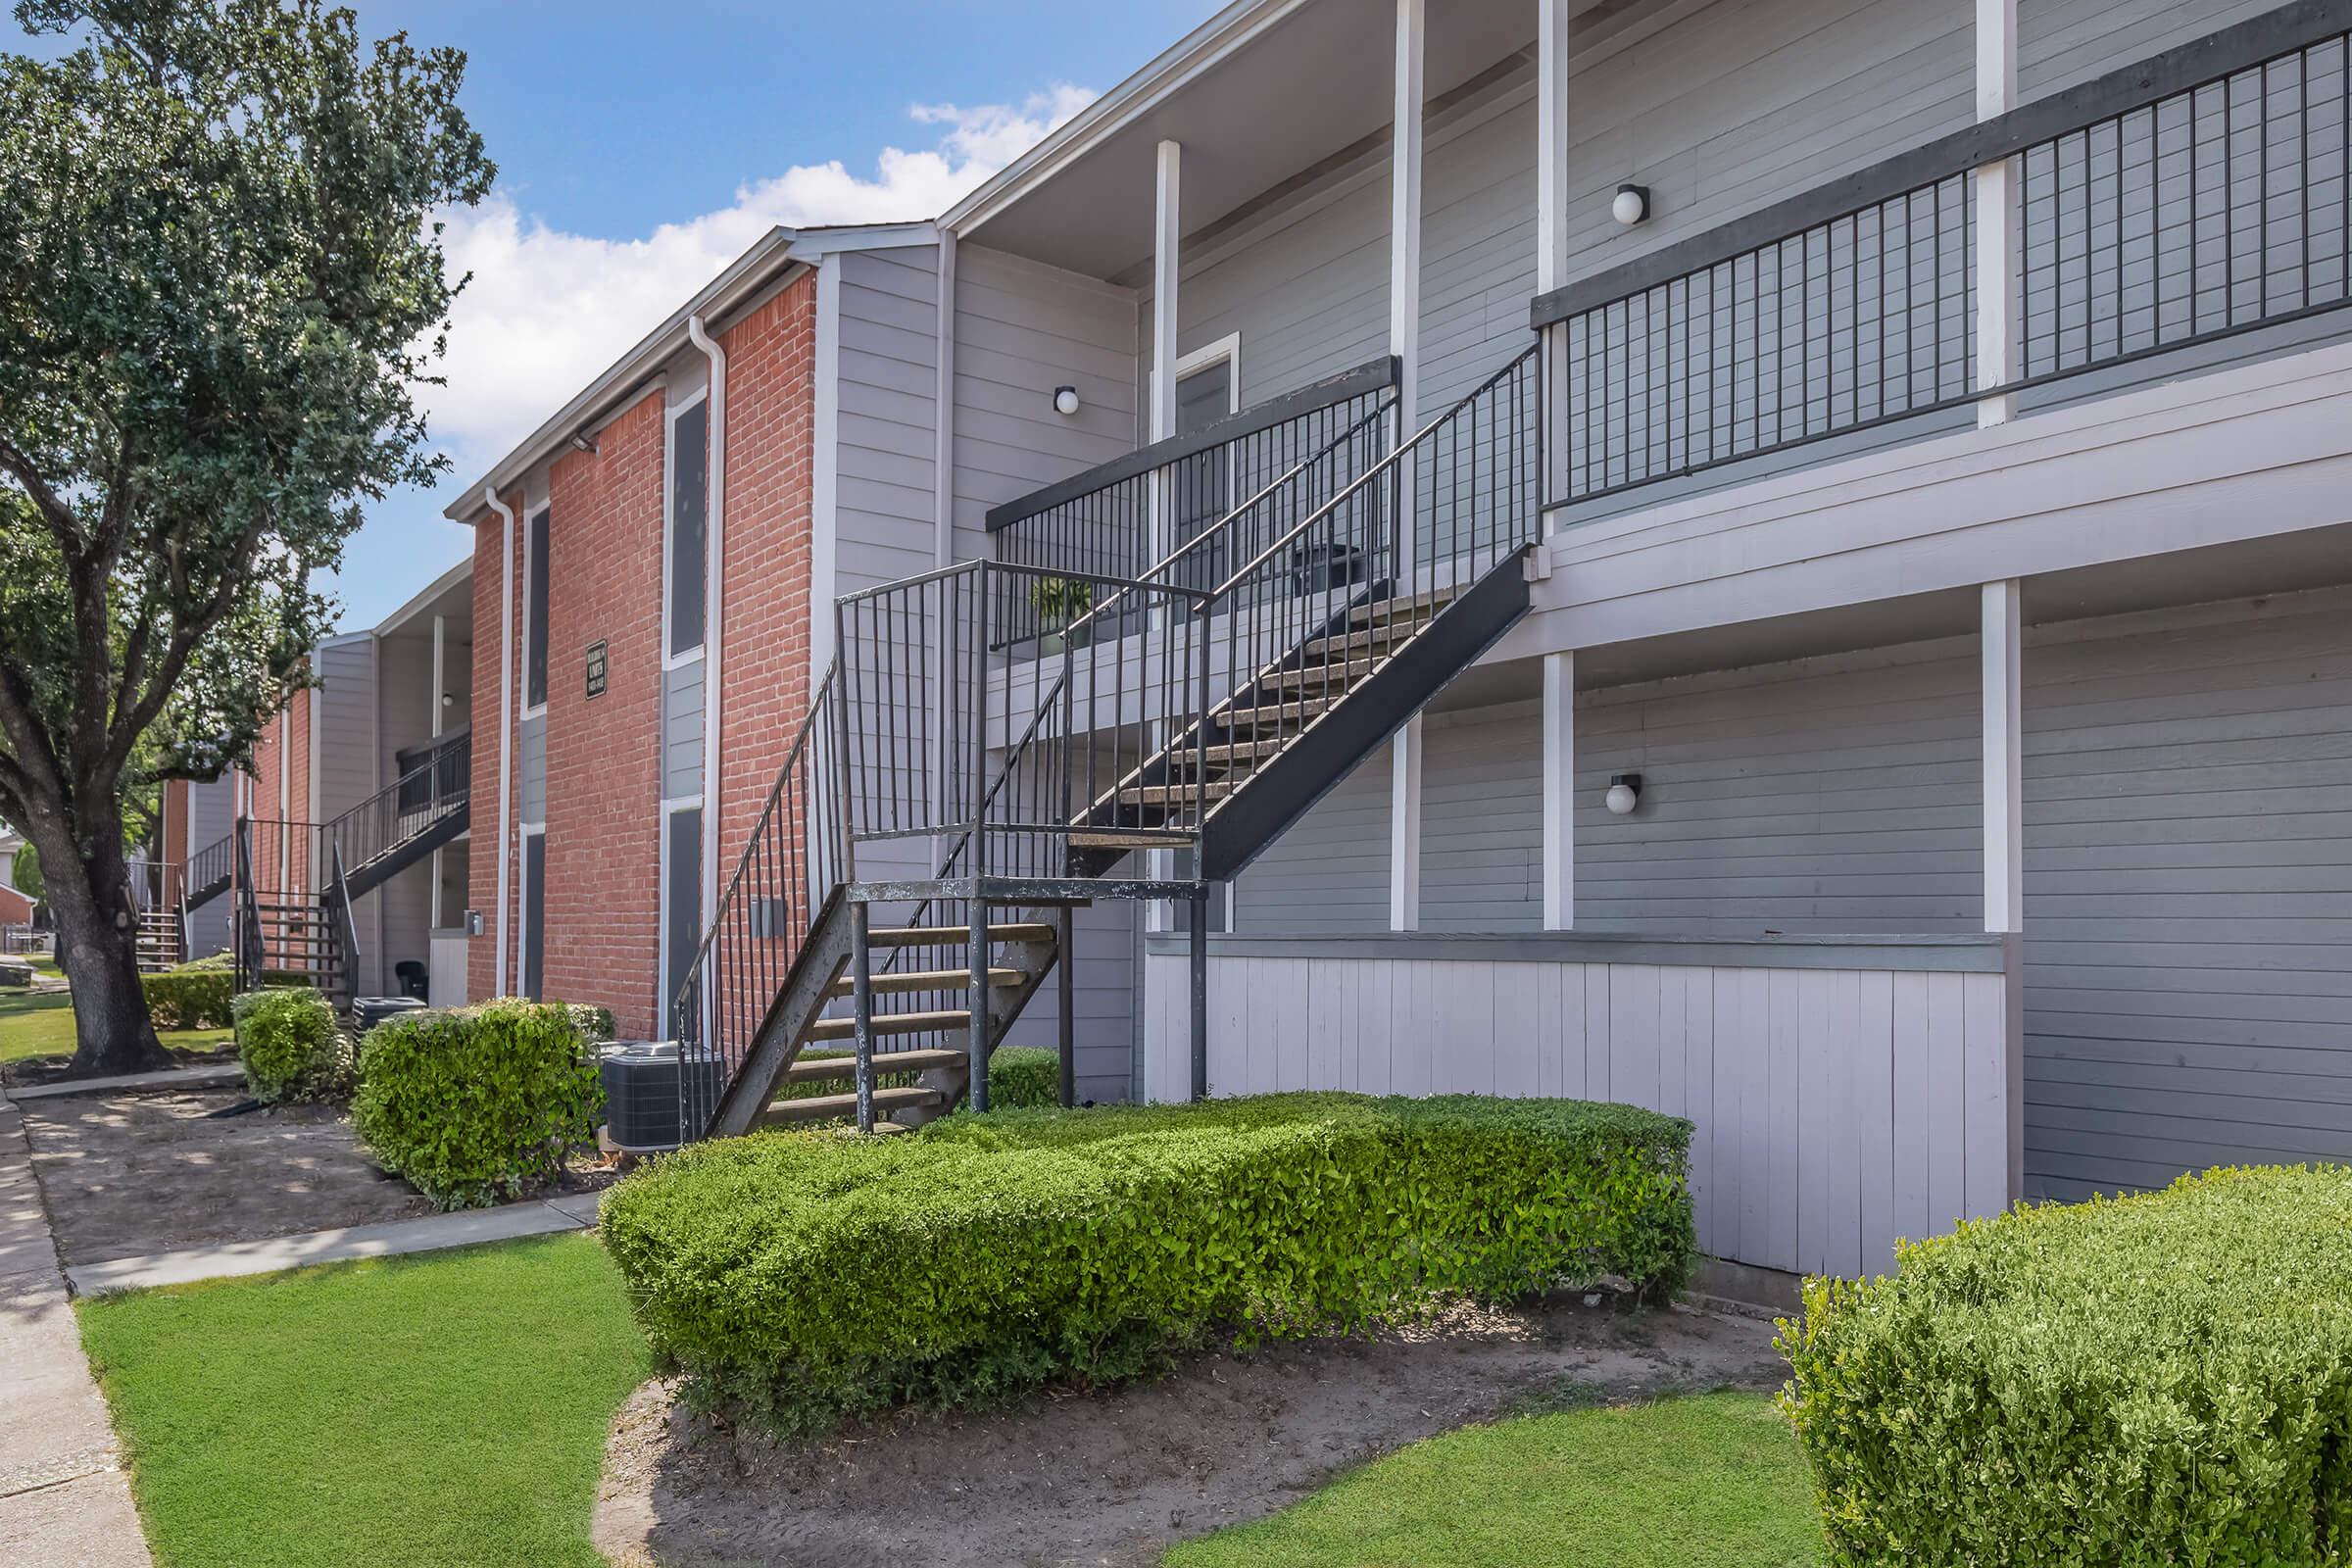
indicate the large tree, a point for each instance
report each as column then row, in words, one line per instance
column 220, row 288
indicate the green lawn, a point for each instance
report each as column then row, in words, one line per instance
column 443, row 1409
column 42, row 1025
column 1714, row 1479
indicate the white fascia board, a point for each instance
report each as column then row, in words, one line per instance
column 1234, row 29
column 810, row 243
column 748, row 273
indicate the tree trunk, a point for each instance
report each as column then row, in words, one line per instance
column 97, row 944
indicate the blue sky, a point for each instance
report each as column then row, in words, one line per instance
column 642, row 147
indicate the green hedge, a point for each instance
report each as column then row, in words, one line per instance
column 2159, row 1379
column 1023, row 1077
column 801, row 1275
column 290, row 1045
column 195, row 995
column 473, row 1104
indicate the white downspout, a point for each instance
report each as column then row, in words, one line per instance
column 505, row 720
column 715, row 553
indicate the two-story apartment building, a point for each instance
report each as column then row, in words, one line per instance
column 1786, row 564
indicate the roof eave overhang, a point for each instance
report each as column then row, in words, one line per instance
column 1198, row 51
column 770, row 261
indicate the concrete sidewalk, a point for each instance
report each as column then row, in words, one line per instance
column 466, row 1228
column 212, row 1075
column 64, row 1498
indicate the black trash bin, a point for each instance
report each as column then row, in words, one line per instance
column 369, row 1011
column 1330, row 565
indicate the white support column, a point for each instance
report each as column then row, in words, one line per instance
column 1551, row 144
column 1559, row 792
column 1167, row 236
column 1551, row 272
column 1999, row 230
column 1167, row 260
column 1404, row 342
column 2004, row 754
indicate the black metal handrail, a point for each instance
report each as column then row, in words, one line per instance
column 2176, row 202
column 1198, row 552
column 1140, row 514
column 789, row 874
column 434, row 789
column 248, row 929
column 341, row 928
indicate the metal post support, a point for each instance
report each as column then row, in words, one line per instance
column 1199, row 983
column 861, row 990
column 976, row 943
column 1066, row 994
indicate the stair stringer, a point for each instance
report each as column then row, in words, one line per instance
column 1282, row 790
column 409, row 850
column 801, row 1003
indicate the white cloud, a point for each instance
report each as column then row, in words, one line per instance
column 547, row 309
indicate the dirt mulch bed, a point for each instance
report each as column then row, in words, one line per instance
column 1115, row 1478
column 125, row 1175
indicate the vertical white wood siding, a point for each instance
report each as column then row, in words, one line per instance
column 1835, row 1109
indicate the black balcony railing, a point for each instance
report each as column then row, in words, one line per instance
column 1114, row 522
column 2193, row 196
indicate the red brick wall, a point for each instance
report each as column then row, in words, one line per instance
column 491, row 578
column 604, row 782
column 279, row 846
column 763, row 669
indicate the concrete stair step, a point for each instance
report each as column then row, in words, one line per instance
column 843, row 1069
column 934, row 936
column 1176, row 794
column 829, row 1107
column 890, row 985
column 893, row 1023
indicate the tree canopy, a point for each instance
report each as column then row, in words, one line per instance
column 222, row 287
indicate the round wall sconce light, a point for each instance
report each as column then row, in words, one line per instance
column 1066, row 401
column 1631, row 206
column 1625, row 792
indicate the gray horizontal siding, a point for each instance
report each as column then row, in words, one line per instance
column 1021, row 331
column 2189, row 893
column 885, row 497
column 530, row 747
column 682, row 730
column 2188, row 855
column 1329, row 874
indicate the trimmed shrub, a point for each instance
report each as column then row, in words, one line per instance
column 1023, row 1077
column 194, row 995
column 473, row 1104
column 2158, row 1379
column 289, row 1045
column 800, row 1276
column 594, row 1023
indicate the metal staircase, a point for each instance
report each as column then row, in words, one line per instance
column 295, row 883
column 1002, row 742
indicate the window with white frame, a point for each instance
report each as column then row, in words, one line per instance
column 534, row 911
column 534, row 612
column 681, row 898
column 687, row 530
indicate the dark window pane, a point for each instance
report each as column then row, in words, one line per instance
column 536, row 615
column 689, row 533
column 534, row 914
column 681, row 905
